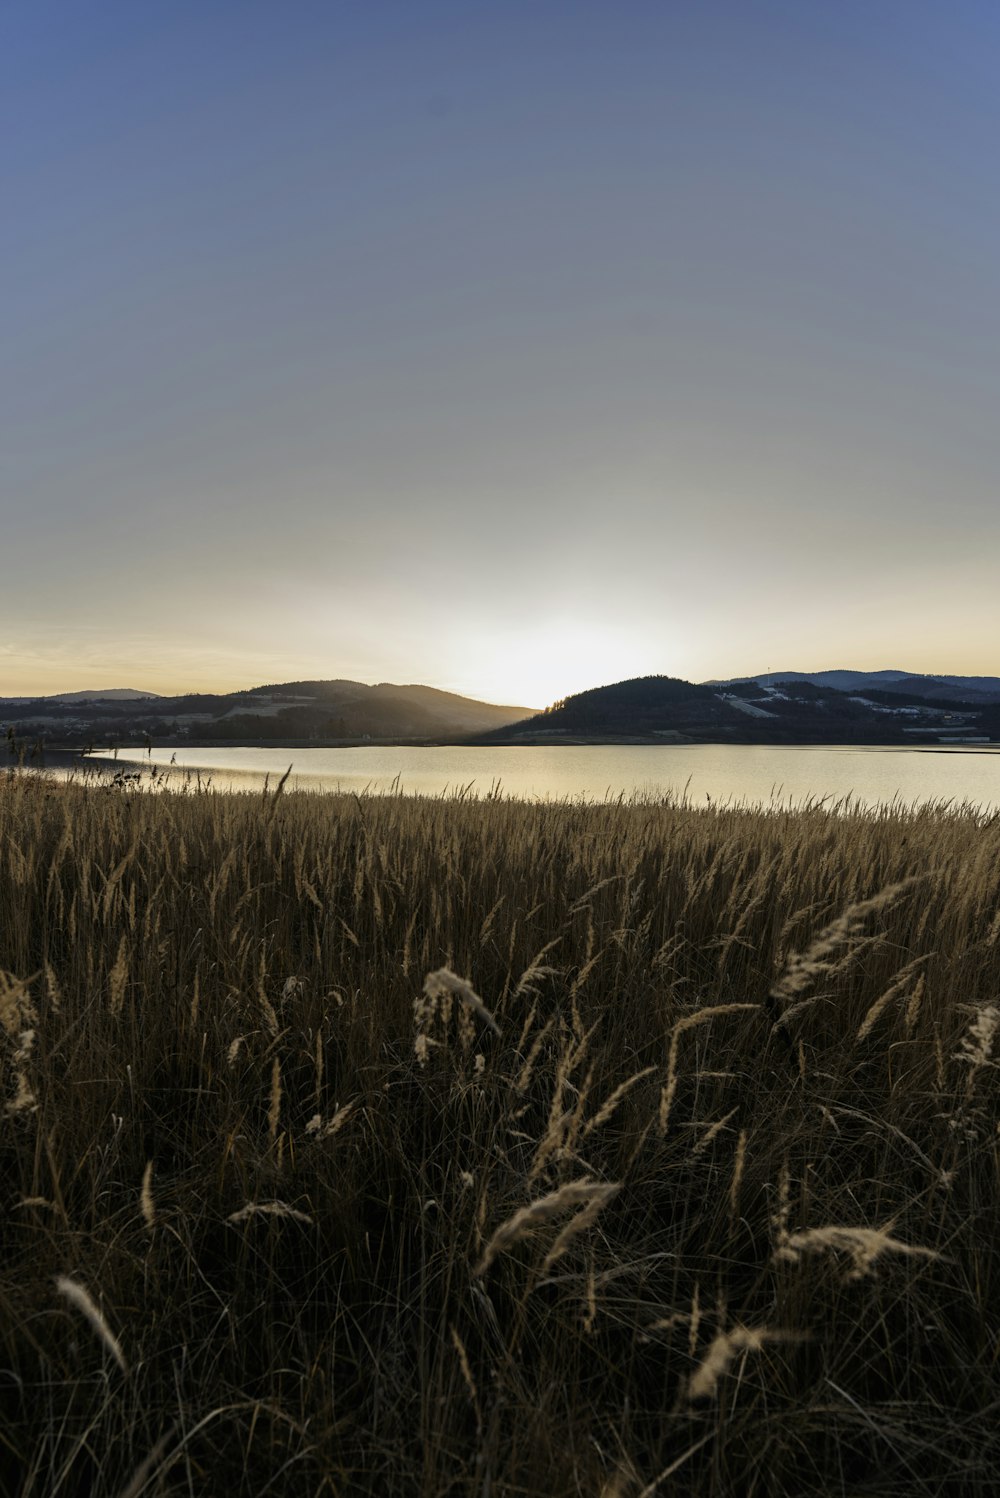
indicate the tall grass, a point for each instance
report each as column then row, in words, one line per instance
column 388, row 1145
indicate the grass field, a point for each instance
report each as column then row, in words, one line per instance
column 404, row 1146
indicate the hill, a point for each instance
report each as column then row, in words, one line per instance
column 98, row 694
column 298, row 712
column 641, row 705
column 931, row 688
column 110, row 694
column 827, row 707
column 794, row 711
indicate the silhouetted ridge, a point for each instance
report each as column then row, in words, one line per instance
column 291, row 712
column 975, row 689
column 787, row 710
column 636, row 691
column 640, row 704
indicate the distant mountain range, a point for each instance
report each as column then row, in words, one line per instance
column 297, row 712
column 962, row 688
column 113, row 694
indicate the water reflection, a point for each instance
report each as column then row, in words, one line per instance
column 742, row 774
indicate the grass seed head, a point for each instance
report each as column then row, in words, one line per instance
column 543, row 1210
column 269, row 1209
column 80, row 1300
column 444, row 982
column 862, row 1245
column 146, row 1202
column 722, row 1352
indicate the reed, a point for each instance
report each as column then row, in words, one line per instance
column 538, row 1213
column 475, row 1146
column 80, row 1299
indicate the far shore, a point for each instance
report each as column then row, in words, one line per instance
column 64, row 756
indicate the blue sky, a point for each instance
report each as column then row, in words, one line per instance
column 513, row 348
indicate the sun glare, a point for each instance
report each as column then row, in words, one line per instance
column 548, row 660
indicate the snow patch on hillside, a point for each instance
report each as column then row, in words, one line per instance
column 744, row 706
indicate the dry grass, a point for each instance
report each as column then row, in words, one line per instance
column 537, row 1214
column 723, row 1349
column 863, row 1246
column 688, row 1183
column 81, row 1301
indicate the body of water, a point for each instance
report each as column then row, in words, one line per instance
column 750, row 774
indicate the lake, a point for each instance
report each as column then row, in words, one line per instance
column 748, row 774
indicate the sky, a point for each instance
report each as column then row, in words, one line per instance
column 513, row 348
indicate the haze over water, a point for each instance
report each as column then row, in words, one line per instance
column 749, row 774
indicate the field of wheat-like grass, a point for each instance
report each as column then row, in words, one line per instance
column 402, row 1146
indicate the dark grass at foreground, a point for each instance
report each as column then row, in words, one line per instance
column 764, row 1256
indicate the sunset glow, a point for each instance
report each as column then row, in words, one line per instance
column 332, row 358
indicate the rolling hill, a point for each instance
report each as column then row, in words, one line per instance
column 288, row 712
column 931, row 688
column 791, row 711
column 878, row 707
